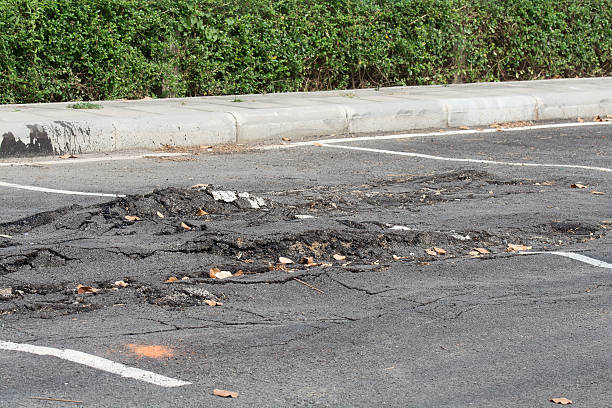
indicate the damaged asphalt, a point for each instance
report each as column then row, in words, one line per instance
column 364, row 316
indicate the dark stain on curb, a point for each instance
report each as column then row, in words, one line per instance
column 39, row 144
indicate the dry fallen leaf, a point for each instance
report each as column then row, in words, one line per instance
column 561, row 401
column 206, row 147
column 225, row 393
column 482, row 250
column 464, row 127
column 185, row 278
column 339, row 257
column 578, row 185
column 317, row 144
column 439, row 251
column 120, row 283
column 217, row 273
column 474, row 254
column 160, row 215
column 597, row 119
column 580, row 120
column 185, row 226
column 598, row 192
column 132, row 218
column 213, row 272
column 396, row 258
column 213, row 303
column 284, row 260
column 517, row 247
column 68, row 156
column 201, row 212
column 86, row 289
column 285, row 139
column 197, row 186
column 171, row 279
column 239, row 272
column 431, row 252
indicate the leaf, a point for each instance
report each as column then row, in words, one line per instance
column 206, row 147
column 580, row 120
column 213, row 272
column 286, row 139
column 184, row 278
column 120, row 283
column 578, row 185
column 86, row 289
column 431, row 252
column 185, row 226
column 561, row 401
column 198, row 186
column 171, row 279
column 482, row 250
column 160, row 215
column 474, row 253
column 396, row 258
column 308, row 261
column 225, row 393
column 213, row 303
column 68, row 156
column 284, row 260
column 201, row 212
column 339, row 257
column 598, row 192
column 597, row 119
column 317, row 144
column 132, row 218
column 239, row 272
column 464, row 127
column 517, row 247
column 216, row 273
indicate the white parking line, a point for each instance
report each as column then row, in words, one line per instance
column 438, row 134
column 96, row 362
column 575, row 256
column 452, row 159
column 55, row 191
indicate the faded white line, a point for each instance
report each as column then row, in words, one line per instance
column 96, row 362
column 55, row 191
column 87, row 160
column 574, row 256
column 453, row 159
column 434, row 134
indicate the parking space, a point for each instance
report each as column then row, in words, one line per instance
column 408, row 271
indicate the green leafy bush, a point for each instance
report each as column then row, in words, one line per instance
column 69, row 50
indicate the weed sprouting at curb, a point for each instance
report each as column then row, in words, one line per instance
column 85, row 105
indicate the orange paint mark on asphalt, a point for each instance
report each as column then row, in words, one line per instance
column 150, row 351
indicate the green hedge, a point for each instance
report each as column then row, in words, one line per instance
column 61, row 50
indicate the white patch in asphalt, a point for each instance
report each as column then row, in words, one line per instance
column 225, row 196
column 576, row 257
column 452, row 159
column 96, row 362
column 87, row 159
column 437, row 134
column 55, row 191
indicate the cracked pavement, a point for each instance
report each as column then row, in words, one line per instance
column 389, row 325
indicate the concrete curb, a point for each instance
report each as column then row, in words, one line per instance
column 120, row 125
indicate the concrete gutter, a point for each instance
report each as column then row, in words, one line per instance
column 248, row 119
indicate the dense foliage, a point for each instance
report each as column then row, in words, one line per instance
column 60, row 50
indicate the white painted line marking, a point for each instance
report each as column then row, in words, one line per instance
column 88, row 159
column 575, row 256
column 96, row 362
column 433, row 134
column 452, row 159
column 52, row 190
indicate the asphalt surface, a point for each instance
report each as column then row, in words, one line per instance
column 388, row 325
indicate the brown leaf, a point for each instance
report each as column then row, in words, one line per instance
column 482, row 250
column 474, row 254
column 68, row 156
column 213, row 303
column 185, row 226
column 431, row 252
column 285, row 139
column 239, row 272
column 206, row 147
column 213, row 272
column 339, row 257
column 578, row 185
column 439, row 251
column 284, row 260
column 201, row 212
column 225, row 393
column 396, row 258
column 561, row 401
column 120, row 283
column 197, row 186
column 132, row 218
column 597, row 119
column 580, row 120
column 160, row 215
column 517, row 247
column 171, row 279
column 598, row 192
column 86, row 289
column 464, row 127
column 317, row 144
